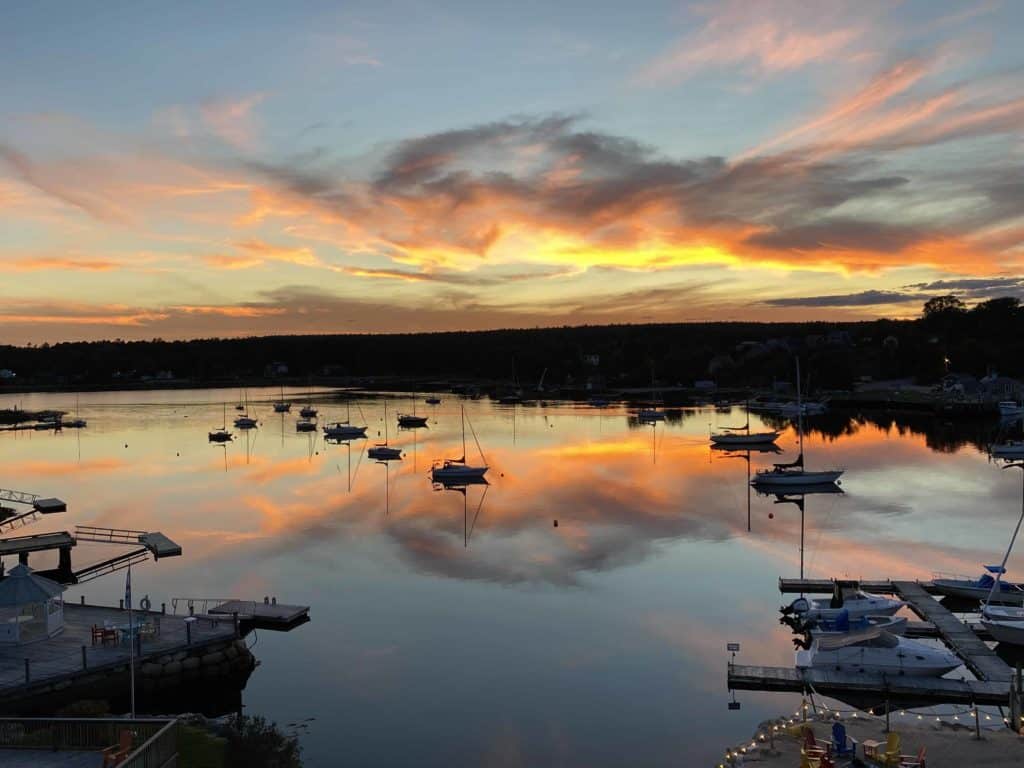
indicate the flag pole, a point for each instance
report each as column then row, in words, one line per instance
column 131, row 641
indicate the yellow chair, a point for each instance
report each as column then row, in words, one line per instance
column 891, row 756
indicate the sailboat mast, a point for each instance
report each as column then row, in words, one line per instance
column 1006, row 557
column 799, row 412
column 463, row 432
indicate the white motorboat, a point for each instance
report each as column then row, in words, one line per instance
column 383, row 451
column 980, row 588
column 842, row 625
column 848, row 597
column 453, row 470
column 875, row 651
column 794, row 473
column 1010, row 632
column 1011, row 449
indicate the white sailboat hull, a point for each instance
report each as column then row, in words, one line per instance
column 796, row 477
column 461, row 472
column 742, row 438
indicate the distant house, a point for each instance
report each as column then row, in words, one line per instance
column 997, row 387
column 276, row 369
column 960, row 384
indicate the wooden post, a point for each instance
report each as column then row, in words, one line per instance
column 235, row 617
column 163, row 607
column 977, row 721
column 887, row 711
column 188, row 632
column 85, row 664
column 120, row 604
column 28, row 674
column 1015, row 724
column 83, row 599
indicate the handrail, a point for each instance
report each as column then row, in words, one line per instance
column 157, row 751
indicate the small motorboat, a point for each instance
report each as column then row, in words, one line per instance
column 981, row 587
column 411, row 421
column 305, row 425
column 1008, row 631
column 847, row 597
column 876, row 651
column 245, row 422
column 433, row 401
column 842, row 625
column 219, row 436
column 308, row 412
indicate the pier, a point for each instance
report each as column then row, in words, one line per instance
column 251, row 614
column 994, row 684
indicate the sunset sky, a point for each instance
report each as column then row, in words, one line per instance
column 200, row 169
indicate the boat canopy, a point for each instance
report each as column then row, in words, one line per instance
column 995, row 569
column 834, row 643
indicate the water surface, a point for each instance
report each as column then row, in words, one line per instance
column 458, row 629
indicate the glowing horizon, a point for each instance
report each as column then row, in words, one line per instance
column 454, row 167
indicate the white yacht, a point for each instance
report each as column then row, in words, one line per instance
column 847, row 597
column 876, row 651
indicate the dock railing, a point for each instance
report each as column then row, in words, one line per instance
column 196, row 606
column 156, row 737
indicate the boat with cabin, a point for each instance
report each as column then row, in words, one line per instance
column 383, row 451
column 344, row 430
column 743, row 436
column 981, row 587
column 221, row 434
column 847, row 597
column 876, row 651
column 450, row 470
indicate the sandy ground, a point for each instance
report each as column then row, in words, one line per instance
column 948, row 745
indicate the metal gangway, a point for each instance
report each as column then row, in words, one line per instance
column 39, row 506
column 146, row 543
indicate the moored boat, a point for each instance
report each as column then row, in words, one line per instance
column 875, row 651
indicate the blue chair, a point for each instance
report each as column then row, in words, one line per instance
column 840, row 746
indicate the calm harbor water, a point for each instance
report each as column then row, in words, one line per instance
column 453, row 629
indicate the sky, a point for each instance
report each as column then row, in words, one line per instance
column 190, row 169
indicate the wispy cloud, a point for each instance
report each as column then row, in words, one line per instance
column 232, row 119
column 763, row 39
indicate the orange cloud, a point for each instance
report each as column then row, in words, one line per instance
column 231, row 119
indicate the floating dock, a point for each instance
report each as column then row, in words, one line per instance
column 252, row 614
column 994, row 685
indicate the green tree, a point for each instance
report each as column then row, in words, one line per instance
column 938, row 305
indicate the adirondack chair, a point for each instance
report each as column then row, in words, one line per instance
column 114, row 755
column 910, row 761
column 840, row 744
column 873, row 750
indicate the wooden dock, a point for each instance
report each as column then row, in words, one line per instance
column 993, row 685
column 978, row 657
column 824, row 586
column 840, row 684
column 263, row 615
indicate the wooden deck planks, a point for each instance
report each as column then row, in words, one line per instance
column 978, row 657
column 938, row 690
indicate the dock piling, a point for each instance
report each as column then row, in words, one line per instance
column 85, row 664
column 82, row 597
column 28, row 673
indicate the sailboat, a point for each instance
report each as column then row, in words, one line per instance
column 221, row 435
column 239, row 406
column 650, row 413
column 308, row 411
column 458, row 469
column 1005, row 624
column 281, row 406
column 77, row 422
column 383, row 451
column 245, row 421
column 794, row 473
column 743, row 435
column 411, row 420
column 344, row 430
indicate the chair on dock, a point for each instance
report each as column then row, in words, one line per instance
column 841, row 745
column 115, row 755
column 103, row 635
column 147, row 631
column 911, row 761
column 891, row 755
